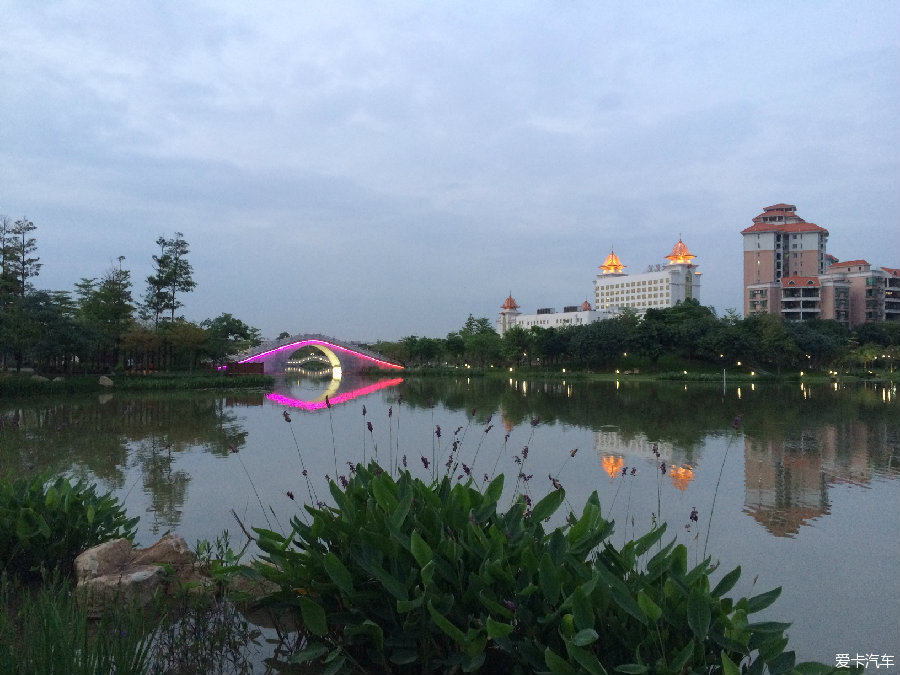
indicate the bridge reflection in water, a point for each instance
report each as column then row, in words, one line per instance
column 336, row 391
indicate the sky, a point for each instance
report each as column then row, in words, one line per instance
column 372, row 170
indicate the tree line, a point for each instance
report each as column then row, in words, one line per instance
column 686, row 333
column 99, row 326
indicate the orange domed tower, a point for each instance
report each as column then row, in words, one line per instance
column 680, row 254
column 509, row 311
column 612, row 264
column 510, row 303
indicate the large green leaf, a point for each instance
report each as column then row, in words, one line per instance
column 446, row 625
column 420, row 549
column 582, row 609
column 338, row 573
column 384, row 495
column 557, row 664
column 585, row 637
column 763, row 600
column 698, row 614
column 727, row 582
column 729, row 667
column 648, row 606
column 586, row 659
column 548, row 577
column 312, row 651
column 497, row 629
column 313, row 615
column 547, row 506
column 393, row 586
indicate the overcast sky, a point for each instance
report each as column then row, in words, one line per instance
column 379, row 169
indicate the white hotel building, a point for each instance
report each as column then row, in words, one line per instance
column 615, row 291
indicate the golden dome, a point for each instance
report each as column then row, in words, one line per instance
column 612, row 265
column 680, row 255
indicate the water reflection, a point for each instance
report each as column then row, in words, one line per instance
column 806, row 465
column 318, row 393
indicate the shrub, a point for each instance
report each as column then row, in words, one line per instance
column 406, row 577
column 45, row 524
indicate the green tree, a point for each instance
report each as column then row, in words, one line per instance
column 227, row 335
column 454, row 347
column 186, row 340
column 173, row 275
column 480, row 326
column 514, row 344
column 19, row 260
column 106, row 310
column 7, row 279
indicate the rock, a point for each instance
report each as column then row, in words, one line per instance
column 59, row 379
column 104, row 381
column 40, row 378
column 113, row 572
column 108, row 558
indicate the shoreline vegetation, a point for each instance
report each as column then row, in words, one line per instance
column 27, row 384
column 370, row 584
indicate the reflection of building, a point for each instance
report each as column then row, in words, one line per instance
column 615, row 292
column 612, row 448
column 681, row 476
column 784, row 489
column 787, row 478
column 787, row 271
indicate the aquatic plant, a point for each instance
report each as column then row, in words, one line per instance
column 45, row 524
column 403, row 576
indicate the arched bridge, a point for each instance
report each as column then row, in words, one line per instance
column 344, row 357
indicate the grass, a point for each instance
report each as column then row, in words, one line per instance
column 45, row 629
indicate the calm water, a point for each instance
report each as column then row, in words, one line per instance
column 804, row 493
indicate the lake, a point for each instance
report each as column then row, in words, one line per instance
column 799, row 484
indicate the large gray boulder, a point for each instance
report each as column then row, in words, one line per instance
column 114, row 572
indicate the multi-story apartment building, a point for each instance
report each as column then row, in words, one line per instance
column 615, row 291
column 779, row 244
column 788, row 271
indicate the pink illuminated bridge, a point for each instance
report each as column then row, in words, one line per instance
column 344, row 357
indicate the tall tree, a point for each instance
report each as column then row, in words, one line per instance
column 173, row 275
column 7, row 280
column 21, row 259
column 106, row 310
column 180, row 277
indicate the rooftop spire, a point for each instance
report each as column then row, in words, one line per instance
column 680, row 254
column 612, row 265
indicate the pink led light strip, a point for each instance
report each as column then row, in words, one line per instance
column 340, row 398
column 297, row 345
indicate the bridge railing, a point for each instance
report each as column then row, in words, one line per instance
column 269, row 345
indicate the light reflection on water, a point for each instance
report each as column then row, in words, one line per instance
column 804, row 493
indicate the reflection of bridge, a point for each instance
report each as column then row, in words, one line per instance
column 343, row 357
column 332, row 395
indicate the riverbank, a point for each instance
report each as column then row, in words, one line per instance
column 29, row 384
column 686, row 374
